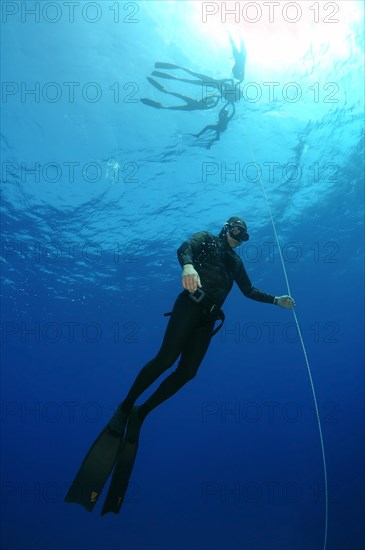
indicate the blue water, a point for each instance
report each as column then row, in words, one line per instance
column 98, row 193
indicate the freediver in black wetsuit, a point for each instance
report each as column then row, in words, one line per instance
column 208, row 263
column 210, row 267
column 218, row 128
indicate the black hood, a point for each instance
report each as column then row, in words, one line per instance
column 231, row 223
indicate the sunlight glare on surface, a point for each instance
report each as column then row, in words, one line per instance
column 279, row 35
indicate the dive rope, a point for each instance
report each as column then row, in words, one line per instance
column 304, row 351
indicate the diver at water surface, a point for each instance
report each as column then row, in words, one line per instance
column 238, row 69
column 210, row 266
column 214, row 87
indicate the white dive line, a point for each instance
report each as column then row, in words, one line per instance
column 305, row 356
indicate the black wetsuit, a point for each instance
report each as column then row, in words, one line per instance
column 218, row 128
column 189, row 330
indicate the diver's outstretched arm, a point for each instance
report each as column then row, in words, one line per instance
column 233, row 112
column 229, row 103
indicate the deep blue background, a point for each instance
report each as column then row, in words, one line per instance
column 233, row 461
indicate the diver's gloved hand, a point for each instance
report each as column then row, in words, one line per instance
column 284, row 301
column 190, row 278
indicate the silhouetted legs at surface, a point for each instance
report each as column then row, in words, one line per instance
column 191, row 104
column 200, row 78
column 239, row 55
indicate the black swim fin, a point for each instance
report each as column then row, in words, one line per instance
column 160, row 65
column 124, row 465
column 165, row 75
column 156, row 84
column 151, row 103
column 171, row 77
column 98, row 464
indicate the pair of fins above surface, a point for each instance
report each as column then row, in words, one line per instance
column 109, row 450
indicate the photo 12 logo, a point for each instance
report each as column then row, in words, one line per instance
column 70, row 92
column 69, row 171
column 69, row 12
column 269, row 12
